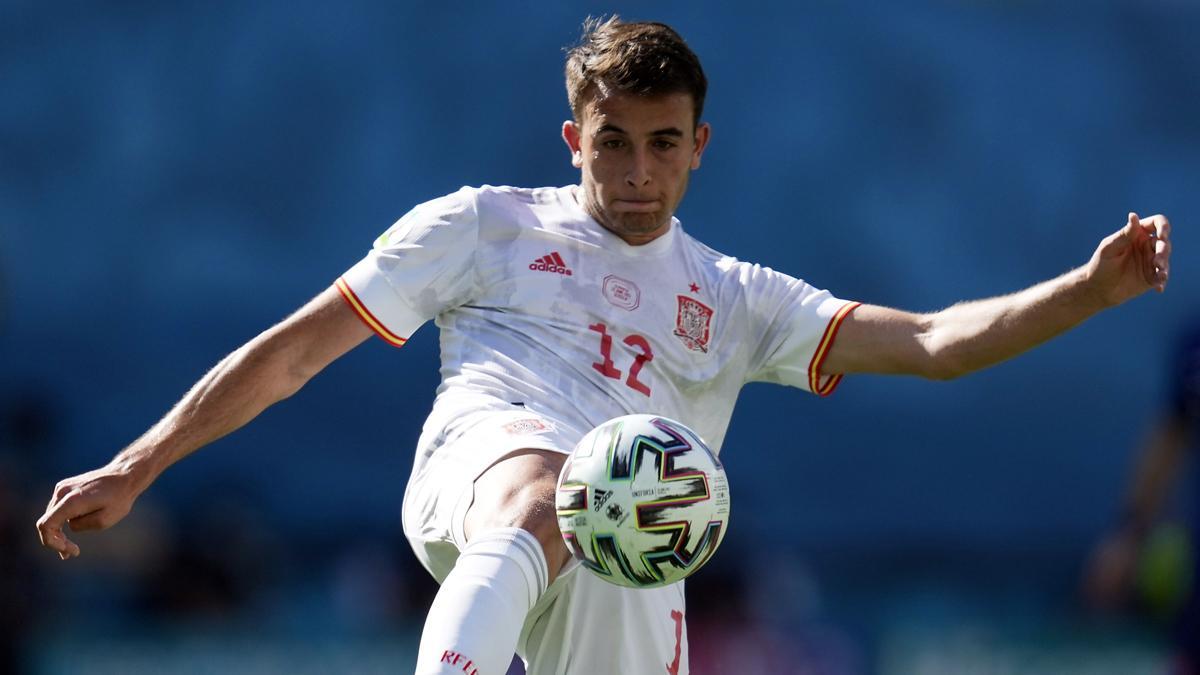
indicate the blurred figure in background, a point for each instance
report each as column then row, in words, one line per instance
column 24, row 432
column 1153, row 568
column 17, row 570
column 27, row 436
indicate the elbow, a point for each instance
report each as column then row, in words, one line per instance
column 951, row 363
column 941, row 361
column 291, row 374
column 287, row 387
column 932, row 355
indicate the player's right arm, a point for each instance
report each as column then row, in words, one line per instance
column 269, row 368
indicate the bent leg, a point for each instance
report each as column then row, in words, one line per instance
column 518, row 491
column 513, row 552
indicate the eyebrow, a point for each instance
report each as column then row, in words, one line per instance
column 669, row 131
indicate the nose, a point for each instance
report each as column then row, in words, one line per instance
column 639, row 169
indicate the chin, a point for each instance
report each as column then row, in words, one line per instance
column 640, row 224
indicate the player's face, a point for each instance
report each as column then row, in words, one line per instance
column 635, row 154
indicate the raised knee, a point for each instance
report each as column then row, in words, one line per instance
column 524, row 499
column 529, row 506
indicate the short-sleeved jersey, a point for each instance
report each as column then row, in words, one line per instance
column 542, row 307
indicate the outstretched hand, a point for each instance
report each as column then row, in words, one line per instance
column 91, row 501
column 1132, row 260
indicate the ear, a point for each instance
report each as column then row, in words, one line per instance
column 703, row 132
column 573, row 137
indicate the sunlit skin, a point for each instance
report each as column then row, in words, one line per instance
column 635, row 154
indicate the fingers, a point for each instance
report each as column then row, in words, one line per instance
column 1118, row 243
column 1133, row 223
column 1158, row 228
column 1134, row 239
column 1136, row 236
column 1158, row 225
column 1151, row 242
column 72, row 506
column 91, row 501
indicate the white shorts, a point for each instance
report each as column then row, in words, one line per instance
column 581, row 624
column 442, row 489
column 585, row 625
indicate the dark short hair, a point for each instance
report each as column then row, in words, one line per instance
column 642, row 58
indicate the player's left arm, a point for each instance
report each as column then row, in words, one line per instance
column 972, row 335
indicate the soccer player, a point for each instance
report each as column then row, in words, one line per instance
column 562, row 307
column 1167, row 455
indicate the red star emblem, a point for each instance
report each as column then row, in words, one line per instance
column 693, row 287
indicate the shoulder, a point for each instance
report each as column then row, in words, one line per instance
column 507, row 196
column 735, row 271
column 724, row 264
column 476, row 198
column 499, row 195
column 506, row 200
column 704, row 255
column 728, row 270
column 471, row 205
column 757, row 280
column 505, row 212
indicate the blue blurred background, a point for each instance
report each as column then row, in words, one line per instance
column 176, row 177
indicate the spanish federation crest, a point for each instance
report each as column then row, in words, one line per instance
column 692, row 323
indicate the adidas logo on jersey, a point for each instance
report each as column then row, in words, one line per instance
column 550, row 263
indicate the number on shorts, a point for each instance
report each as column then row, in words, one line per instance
column 677, row 617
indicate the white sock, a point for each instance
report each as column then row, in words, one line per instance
column 476, row 618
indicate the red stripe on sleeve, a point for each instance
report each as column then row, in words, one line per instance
column 823, row 347
column 366, row 316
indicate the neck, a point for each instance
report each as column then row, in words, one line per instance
column 634, row 236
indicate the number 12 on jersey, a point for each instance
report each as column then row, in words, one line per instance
column 608, row 369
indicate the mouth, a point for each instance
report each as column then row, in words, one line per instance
column 636, row 205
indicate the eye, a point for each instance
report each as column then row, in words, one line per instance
column 663, row 144
column 613, row 143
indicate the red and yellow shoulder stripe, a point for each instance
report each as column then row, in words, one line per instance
column 365, row 314
column 814, row 366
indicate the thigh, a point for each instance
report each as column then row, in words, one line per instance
column 515, row 489
column 587, row 625
column 518, row 491
column 439, row 496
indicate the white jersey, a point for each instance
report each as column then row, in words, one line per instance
column 550, row 325
column 540, row 306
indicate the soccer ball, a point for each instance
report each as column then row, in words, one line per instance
column 642, row 501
